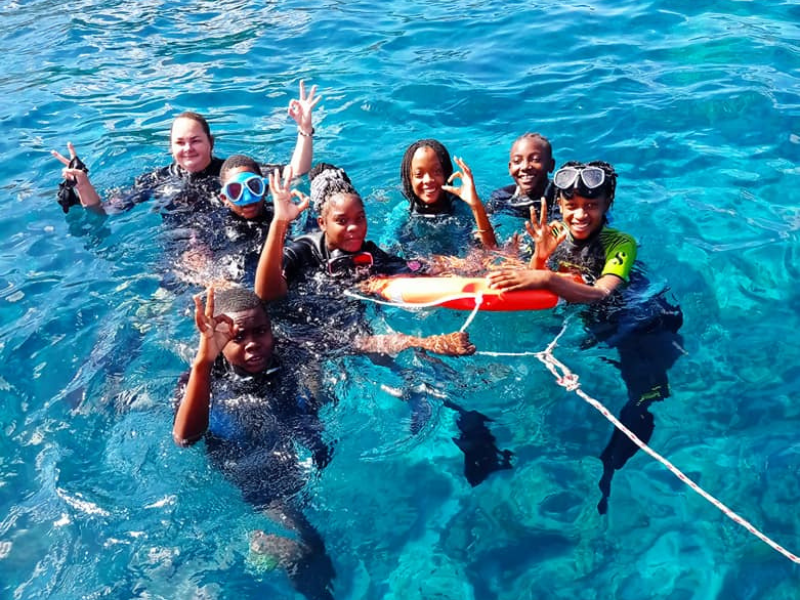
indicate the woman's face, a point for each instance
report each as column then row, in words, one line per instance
column 427, row 175
column 344, row 223
column 190, row 145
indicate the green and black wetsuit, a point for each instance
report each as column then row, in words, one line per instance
column 640, row 323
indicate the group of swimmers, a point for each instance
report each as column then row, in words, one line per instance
column 252, row 396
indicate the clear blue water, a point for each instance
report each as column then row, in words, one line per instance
column 695, row 103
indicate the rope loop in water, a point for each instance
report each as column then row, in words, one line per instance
column 569, row 380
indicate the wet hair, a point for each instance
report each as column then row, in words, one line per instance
column 237, row 161
column 535, row 136
column 405, row 170
column 328, row 180
column 236, row 299
column 193, row 116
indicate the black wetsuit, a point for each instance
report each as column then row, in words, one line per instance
column 255, row 422
column 196, row 218
column 178, row 192
column 508, row 212
column 639, row 322
column 308, row 255
column 505, row 200
column 446, row 230
column 316, row 308
column 235, row 243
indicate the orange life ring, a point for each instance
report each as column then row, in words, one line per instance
column 461, row 293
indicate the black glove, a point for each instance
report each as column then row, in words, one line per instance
column 66, row 194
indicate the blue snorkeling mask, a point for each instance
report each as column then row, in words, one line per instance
column 245, row 188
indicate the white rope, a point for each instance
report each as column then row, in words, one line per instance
column 487, row 353
column 478, row 302
column 568, row 380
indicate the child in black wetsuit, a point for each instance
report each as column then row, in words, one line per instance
column 252, row 409
column 643, row 328
column 530, row 160
column 529, row 163
column 440, row 216
column 228, row 249
column 331, row 258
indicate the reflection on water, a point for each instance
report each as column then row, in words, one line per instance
column 694, row 105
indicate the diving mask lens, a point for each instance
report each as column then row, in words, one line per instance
column 565, row 178
column 589, row 179
column 245, row 182
column 593, row 177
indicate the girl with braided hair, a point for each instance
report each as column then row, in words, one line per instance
column 436, row 206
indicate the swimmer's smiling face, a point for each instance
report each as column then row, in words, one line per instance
column 251, row 348
column 190, row 144
column 344, row 222
column 583, row 216
column 427, row 175
column 529, row 163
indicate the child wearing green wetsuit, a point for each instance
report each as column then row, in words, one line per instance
column 642, row 328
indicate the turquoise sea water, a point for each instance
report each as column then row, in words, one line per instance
column 695, row 103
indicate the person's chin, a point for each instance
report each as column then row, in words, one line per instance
column 581, row 233
column 250, row 212
column 431, row 196
column 193, row 165
column 353, row 245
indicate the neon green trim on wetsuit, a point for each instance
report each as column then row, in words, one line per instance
column 620, row 251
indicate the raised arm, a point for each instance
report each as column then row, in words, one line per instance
column 191, row 419
column 300, row 110
column 270, row 282
column 467, row 192
column 83, row 187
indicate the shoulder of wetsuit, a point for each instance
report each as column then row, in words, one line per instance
column 499, row 197
column 214, row 168
column 302, row 253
